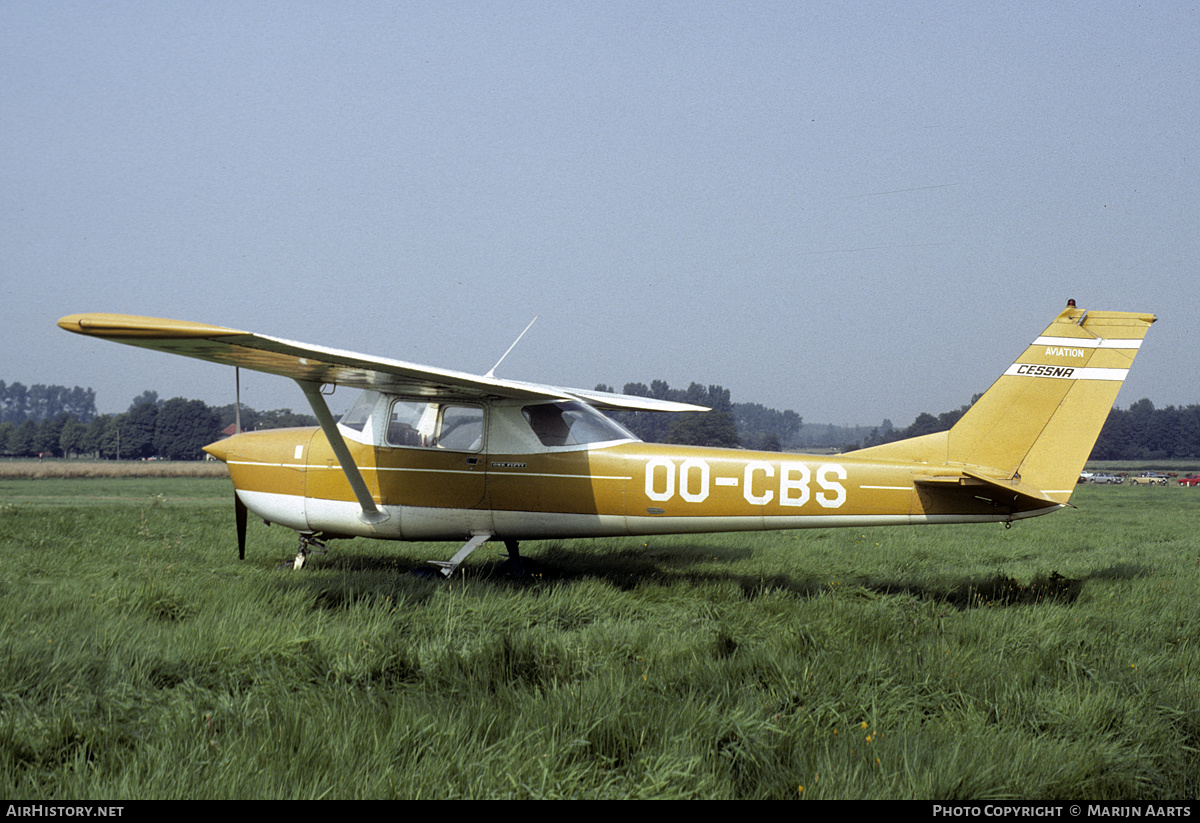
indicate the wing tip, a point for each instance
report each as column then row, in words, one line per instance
column 100, row 324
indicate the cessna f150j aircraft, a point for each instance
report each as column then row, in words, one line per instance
column 432, row 454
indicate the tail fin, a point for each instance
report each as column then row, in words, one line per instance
column 1038, row 423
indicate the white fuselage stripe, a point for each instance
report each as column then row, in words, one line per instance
column 489, row 472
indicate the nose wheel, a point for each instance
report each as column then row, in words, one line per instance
column 307, row 542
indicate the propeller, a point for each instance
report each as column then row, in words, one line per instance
column 239, row 508
column 239, row 516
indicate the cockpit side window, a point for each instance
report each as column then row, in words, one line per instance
column 461, row 428
column 571, row 423
column 411, row 424
column 425, row 425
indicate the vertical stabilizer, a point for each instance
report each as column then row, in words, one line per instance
column 1039, row 421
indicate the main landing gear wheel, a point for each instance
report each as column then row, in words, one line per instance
column 515, row 565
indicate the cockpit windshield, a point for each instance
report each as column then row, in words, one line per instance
column 356, row 416
column 571, row 423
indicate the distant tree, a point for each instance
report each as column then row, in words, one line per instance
column 1189, row 432
column 769, row 443
column 22, row 441
column 70, row 439
column 147, row 396
column 88, row 443
column 14, row 403
column 104, row 434
column 81, row 404
column 1162, row 436
column 925, row 423
column 136, row 431
column 254, row 420
column 765, row 428
column 49, row 434
column 183, row 427
column 714, row 428
column 284, row 418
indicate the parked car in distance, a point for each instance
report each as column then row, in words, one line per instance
column 1190, row 480
column 1105, row 477
column 1086, row 477
column 1149, row 479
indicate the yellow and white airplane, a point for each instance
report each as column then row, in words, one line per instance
column 432, row 454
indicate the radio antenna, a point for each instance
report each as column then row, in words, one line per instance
column 491, row 371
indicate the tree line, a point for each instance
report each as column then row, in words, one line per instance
column 174, row 429
column 55, row 421
column 729, row 424
column 1140, row 432
column 1143, row 432
column 925, row 423
column 19, row 403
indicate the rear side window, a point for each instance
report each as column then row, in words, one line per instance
column 571, row 423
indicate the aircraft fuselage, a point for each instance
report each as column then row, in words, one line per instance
column 513, row 485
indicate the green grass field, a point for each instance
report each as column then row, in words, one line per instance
column 140, row 659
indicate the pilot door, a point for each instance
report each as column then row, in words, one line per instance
column 430, row 454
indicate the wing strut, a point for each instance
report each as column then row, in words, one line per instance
column 370, row 512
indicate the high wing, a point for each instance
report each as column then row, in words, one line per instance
column 317, row 364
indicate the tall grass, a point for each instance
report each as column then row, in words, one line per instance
column 53, row 468
column 140, row 659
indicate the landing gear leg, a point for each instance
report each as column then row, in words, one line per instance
column 450, row 566
column 516, row 566
column 307, row 541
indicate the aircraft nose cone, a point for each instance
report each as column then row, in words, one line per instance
column 219, row 450
column 271, row 447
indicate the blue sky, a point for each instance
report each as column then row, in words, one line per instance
column 856, row 211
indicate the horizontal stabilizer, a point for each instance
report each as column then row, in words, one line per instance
column 1002, row 491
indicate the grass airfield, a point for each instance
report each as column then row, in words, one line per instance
column 140, row 659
